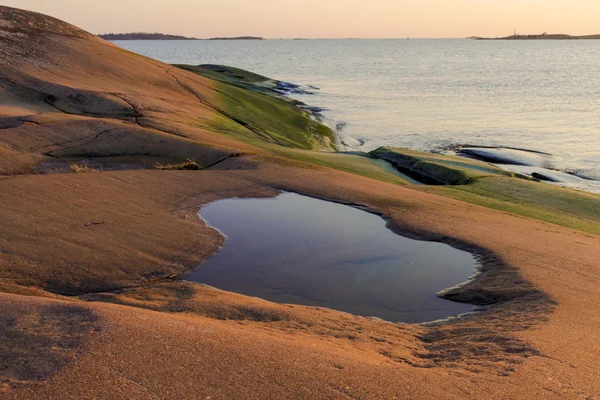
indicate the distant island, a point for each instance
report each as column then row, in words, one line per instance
column 162, row 36
column 238, row 38
column 143, row 36
column 543, row 36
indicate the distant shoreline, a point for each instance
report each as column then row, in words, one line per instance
column 543, row 36
column 238, row 38
column 161, row 36
column 143, row 36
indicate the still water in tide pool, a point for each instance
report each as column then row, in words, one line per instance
column 299, row 250
column 429, row 94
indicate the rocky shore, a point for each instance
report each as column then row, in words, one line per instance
column 91, row 254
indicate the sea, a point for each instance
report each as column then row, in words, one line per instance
column 436, row 95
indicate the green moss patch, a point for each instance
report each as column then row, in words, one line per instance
column 484, row 184
column 252, row 111
column 351, row 163
column 538, row 200
column 436, row 169
column 229, row 75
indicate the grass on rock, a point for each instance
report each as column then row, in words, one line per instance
column 189, row 165
column 82, row 168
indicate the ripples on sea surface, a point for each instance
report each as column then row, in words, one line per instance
column 432, row 94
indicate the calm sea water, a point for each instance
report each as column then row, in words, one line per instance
column 432, row 94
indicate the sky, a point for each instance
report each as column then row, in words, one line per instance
column 325, row 18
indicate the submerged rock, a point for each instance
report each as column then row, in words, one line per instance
column 509, row 156
column 340, row 125
column 589, row 174
column 290, row 88
column 543, row 174
column 543, row 177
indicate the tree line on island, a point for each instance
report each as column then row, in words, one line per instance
column 162, row 36
column 542, row 36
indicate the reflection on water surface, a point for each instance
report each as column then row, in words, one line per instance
column 296, row 249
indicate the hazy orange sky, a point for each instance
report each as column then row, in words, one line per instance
column 325, row 18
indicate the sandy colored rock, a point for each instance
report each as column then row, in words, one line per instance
column 88, row 262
